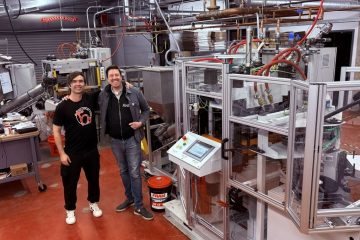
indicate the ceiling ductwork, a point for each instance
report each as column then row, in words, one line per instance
column 37, row 6
column 327, row 5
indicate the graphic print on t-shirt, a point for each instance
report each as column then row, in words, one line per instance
column 83, row 116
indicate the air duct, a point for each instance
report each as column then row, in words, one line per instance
column 23, row 100
column 37, row 6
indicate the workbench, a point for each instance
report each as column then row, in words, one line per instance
column 21, row 148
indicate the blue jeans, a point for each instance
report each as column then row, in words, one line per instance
column 128, row 157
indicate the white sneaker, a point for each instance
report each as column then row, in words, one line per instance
column 70, row 217
column 96, row 211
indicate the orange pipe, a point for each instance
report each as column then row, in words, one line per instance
column 208, row 59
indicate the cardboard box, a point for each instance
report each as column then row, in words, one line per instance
column 18, row 169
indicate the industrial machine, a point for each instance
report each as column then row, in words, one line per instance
column 252, row 125
column 17, row 93
column 158, row 86
column 254, row 117
column 23, row 94
column 93, row 69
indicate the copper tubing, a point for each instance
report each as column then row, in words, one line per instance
column 213, row 6
column 230, row 12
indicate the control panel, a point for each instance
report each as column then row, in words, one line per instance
column 197, row 154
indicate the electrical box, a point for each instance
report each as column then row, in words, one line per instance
column 197, row 154
column 23, row 78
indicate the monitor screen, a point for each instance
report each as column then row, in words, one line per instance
column 5, row 82
column 199, row 150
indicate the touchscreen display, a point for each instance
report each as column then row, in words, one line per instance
column 199, row 150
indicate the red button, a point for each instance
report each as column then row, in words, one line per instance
column 184, row 138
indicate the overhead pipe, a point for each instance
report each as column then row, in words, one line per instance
column 254, row 6
column 230, row 12
column 328, row 4
column 233, row 12
column 134, row 18
column 87, row 18
column 103, row 11
column 213, row 6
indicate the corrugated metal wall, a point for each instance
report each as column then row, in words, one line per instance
column 38, row 46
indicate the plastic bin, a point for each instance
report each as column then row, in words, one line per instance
column 53, row 149
column 160, row 192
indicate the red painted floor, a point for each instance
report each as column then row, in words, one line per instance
column 25, row 213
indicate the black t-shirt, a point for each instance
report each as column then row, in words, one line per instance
column 78, row 120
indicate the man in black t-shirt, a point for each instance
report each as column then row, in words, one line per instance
column 76, row 115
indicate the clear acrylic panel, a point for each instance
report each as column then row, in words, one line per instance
column 207, row 192
column 339, row 178
column 298, row 150
column 205, row 116
column 204, row 79
column 242, row 215
column 261, row 103
column 259, row 149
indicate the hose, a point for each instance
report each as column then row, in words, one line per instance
column 208, row 59
column 169, row 63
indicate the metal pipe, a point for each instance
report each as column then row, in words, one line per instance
column 167, row 25
column 127, row 7
column 105, row 10
column 258, row 25
column 249, row 38
column 87, row 18
column 328, row 4
column 213, row 6
column 254, row 7
column 230, row 12
column 26, row 98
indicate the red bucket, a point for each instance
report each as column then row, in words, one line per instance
column 160, row 192
column 53, row 149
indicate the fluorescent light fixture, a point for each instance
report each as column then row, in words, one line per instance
column 8, row 58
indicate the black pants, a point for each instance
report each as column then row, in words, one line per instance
column 90, row 162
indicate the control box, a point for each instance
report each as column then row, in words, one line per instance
column 199, row 155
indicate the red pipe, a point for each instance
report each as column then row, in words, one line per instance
column 269, row 65
column 321, row 9
column 282, row 61
column 293, row 49
column 208, row 59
